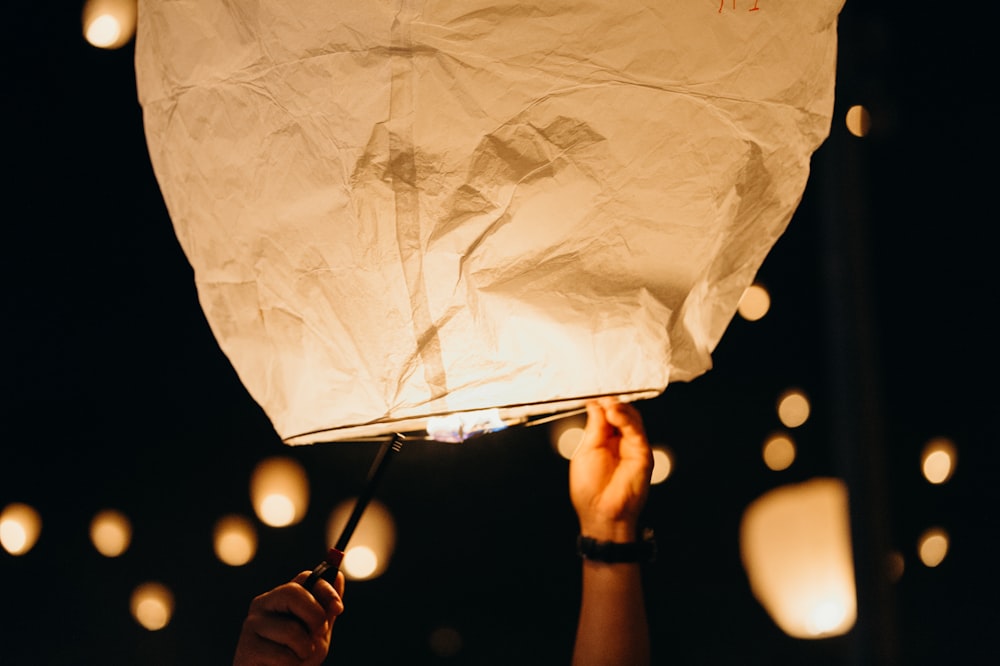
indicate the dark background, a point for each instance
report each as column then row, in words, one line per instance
column 116, row 395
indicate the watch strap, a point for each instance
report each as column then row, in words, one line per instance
column 613, row 552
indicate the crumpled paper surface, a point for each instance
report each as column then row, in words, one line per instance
column 399, row 209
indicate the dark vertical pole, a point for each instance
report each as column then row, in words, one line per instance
column 858, row 433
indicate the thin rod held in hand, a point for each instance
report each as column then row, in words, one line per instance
column 375, row 473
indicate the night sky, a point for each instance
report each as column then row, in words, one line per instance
column 115, row 394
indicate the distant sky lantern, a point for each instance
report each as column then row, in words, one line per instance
column 938, row 459
column 110, row 532
column 235, row 540
column 795, row 544
column 663, row 464
column 279, row 491
column 152, row 605
column 372, row 543
column 858, row 120
column 793, row 408
column 932, row 546
column 778, row 452
column 20, row 526
column 754, row 303
column 109, row 24
column 566, row 434
column 402, row 210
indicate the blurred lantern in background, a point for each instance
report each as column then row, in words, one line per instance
column 279, row 491
column 932, row 546
column 152, row 605
column 663, row 464
column 20, row 527
column 795, row 543
column 234, row 540
column 793, row 408
column 754, row 303
column 110, row 532
column 109, row 24
column 565, row 434
column 778, row 451
column 372, row 542
column 938, row 460
column 402, row 210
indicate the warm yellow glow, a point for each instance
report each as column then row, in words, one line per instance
column 938, row 460
column 566, row 434
column 895, row 565
column 858, row 120
column 235, row 540
column 103, row 31
column 778, row 452
column 110, row 532
column 277, row 510
column 359, row 562
column 933, row 546
column 109, row 24
column 793, row 408
column 372, row 543
column 20, row 527
column 460, row 426
column 569, row 440
column 795, row 544
column 663, row 464
column 754, row 303
column 152, row 605
column 279, row 491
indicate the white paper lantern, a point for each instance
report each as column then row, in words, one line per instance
column 401, row 209
column 795, row 544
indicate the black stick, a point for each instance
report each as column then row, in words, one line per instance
column 336, row 554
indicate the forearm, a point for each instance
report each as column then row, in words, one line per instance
column 612, row 629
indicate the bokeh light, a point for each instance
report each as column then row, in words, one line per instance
column 360, row 562
column 795, row 545
column 932, row 546
column 152, row 605
column 110, row 532
column 20, row 527
column 109, row 24
column 895, row 566
column 371, row 544
column 279, row 491
column 663, row 464
column 793, row 408
column 858, row 120
column 754, row 303
column 566, row 434
column 234, row 540
column 938, row 460
column 778, row 452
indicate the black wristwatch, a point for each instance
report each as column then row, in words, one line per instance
column 612, row 552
